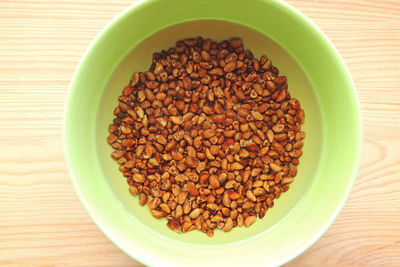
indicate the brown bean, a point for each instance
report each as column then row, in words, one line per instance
column 214, row 182
column 194, row 213
column 230, row 66
column 187, row 83
column 208, row 133
column 249, row 220
column 193, row 191
column 218, row 118
column 181, row 178
column 236, row 166
column 138, row 178
column 240, row 220
column 228, row 225
column 142, row 199
column 236, row 42
column 275, row 167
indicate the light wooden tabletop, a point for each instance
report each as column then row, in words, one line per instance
column 42, row 221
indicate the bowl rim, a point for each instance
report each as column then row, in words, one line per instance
column 349, row 185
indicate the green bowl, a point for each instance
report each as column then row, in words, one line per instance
column 316, row 75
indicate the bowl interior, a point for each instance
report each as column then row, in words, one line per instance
column 139, row 59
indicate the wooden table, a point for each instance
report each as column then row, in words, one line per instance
column 42, row 221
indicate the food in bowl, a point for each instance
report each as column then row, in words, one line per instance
column 209, row 136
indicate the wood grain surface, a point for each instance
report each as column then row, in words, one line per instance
column 42, row 222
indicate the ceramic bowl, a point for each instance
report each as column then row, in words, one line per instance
column 317, row 76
